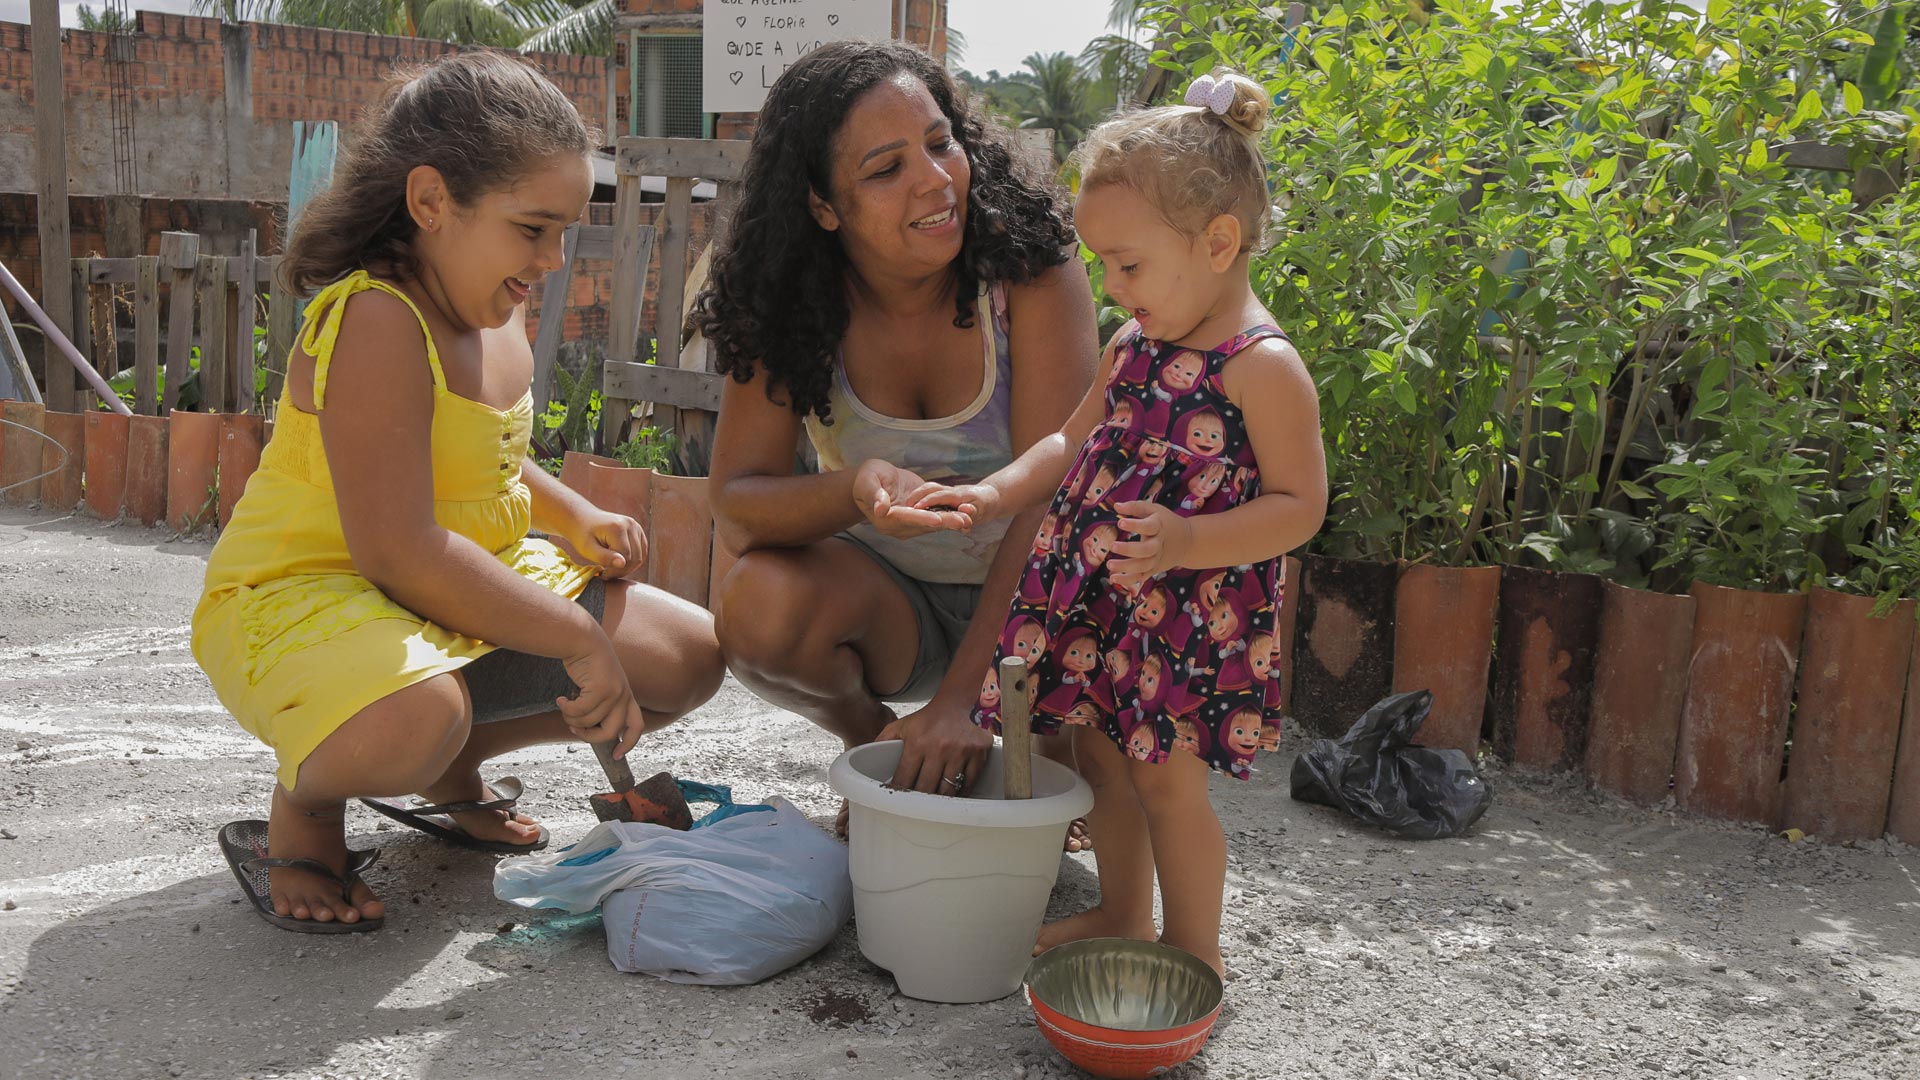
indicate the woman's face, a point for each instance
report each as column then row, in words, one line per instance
column 900, row 179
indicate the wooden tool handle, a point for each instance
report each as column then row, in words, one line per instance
column 1016, row 731
column 618, row 774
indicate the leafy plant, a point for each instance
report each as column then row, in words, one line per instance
column 649, row 448
column 1567, row 297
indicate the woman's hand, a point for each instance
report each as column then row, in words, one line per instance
column 1163, row 540
column 604, row 708
column 945, row 751
column 613, row 542
column 884, row 494
column 981, row 503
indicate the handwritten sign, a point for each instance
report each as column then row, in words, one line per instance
column 748, row 43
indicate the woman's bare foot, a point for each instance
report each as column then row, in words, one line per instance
column 1092, row 923
column 508, row 826
column 298, row 832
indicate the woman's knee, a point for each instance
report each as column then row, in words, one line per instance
column 761, row 613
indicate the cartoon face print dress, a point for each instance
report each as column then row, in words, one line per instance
column 1187, row 662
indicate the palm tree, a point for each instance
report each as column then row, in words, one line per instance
column 1113, row 62
column 587, row 29
column 528, row 24
column 1054, row 95
column 107, row 20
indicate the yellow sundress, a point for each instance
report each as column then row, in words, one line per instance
column 293, row 638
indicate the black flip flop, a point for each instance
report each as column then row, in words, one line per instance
column 414, row 813
column 244, row 843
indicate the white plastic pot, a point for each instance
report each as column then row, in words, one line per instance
column 948, row 893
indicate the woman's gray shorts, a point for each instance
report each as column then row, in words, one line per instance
column 943, row 612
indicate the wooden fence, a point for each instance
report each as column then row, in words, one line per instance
column 190, row 318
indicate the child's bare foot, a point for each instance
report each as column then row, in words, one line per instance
column 1209, row 956
column 1092, row 923
column 507, row 826
column 294, row 832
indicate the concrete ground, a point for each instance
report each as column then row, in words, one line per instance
column 1568, row 936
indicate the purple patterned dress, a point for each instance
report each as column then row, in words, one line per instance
column 1187, row 663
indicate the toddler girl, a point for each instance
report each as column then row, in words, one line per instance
column 1173, row 200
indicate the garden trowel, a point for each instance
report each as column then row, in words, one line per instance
column 657, row 799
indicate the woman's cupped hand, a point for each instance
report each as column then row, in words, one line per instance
column 901, row 504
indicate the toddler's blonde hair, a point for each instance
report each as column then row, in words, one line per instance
column 1191, row 163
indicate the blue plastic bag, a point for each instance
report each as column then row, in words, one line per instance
column 748, row 893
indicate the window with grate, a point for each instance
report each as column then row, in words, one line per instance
column 660, row 97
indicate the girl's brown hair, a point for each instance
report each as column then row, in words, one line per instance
column 1190, row 162
column 481, row 118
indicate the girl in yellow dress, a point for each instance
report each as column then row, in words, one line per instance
column 377, row 612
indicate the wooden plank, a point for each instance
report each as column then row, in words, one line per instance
column 673, row 386
column 106, row 331
column 629, row 270
column 707, row 159
column 212, row 285
column 146, row 337
column 693, row 452
column 633, row 247
column 554, row 299
column 1874, row 182
column 124, row 271
column 672, row 21
column 1807, row 154
column 50, row 175
column 246, row 316
column 676, row 225
column 81, row 294
column 315, row 145
column 596, row 243
column 283, row 311
column 180, row 257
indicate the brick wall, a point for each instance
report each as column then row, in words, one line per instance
column 592, row 285
column 195, row 135
column 99, row 229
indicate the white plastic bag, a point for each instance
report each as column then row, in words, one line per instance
column 727, row 904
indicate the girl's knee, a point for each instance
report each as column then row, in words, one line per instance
column 697, row 677
column 397, row 745
column 1180, row 778
column 674, row 664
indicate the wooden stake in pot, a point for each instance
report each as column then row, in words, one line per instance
column 1016, row 729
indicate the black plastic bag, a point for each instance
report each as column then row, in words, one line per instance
column 1373, row 773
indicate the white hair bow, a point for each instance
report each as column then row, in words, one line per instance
column 1211, row 93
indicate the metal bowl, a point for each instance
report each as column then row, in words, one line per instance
column 1122, row 1008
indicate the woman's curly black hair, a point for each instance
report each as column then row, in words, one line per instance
column 776, row 295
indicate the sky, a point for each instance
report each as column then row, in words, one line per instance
column 1000, row 33
column 17, row 10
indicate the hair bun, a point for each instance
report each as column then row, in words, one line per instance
column 1251, row 102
